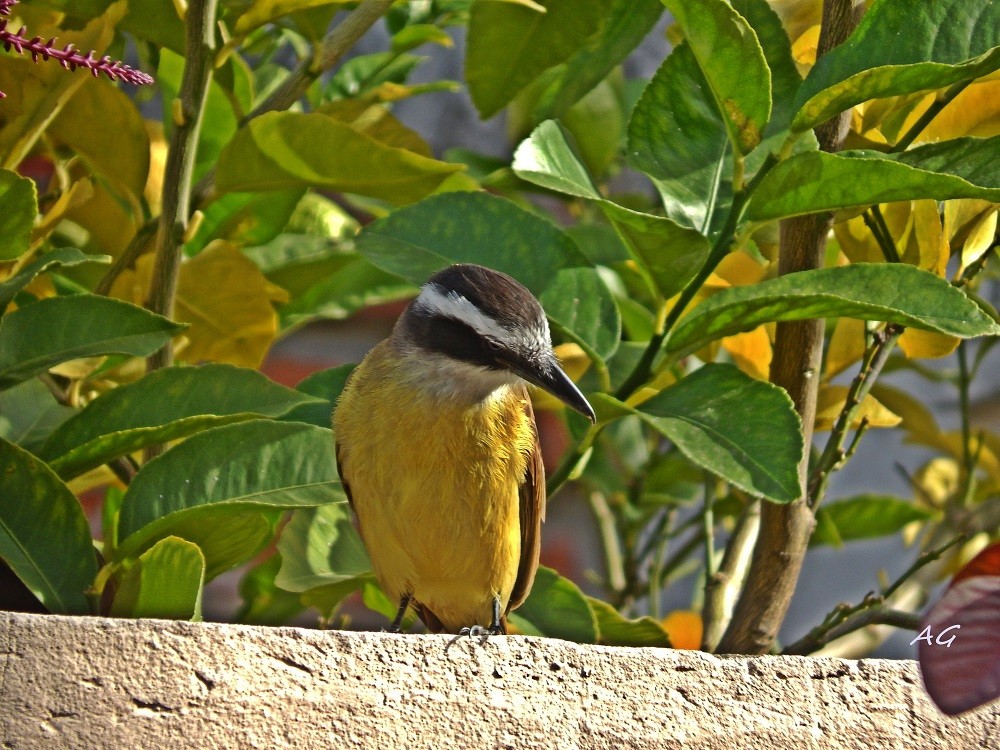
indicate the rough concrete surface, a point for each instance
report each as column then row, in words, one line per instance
column 99, row 683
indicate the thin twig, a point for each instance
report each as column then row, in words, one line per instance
column 722, row 587
column 925, row 119
column 607, row 524
column 834, row 455
column 871, row 610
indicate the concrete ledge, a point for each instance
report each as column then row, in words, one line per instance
column 100, row 683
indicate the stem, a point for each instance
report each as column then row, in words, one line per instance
column 333, row 47
column 969, row 458
column 871, row 610
column 189, row 111
column 936, row 106
column 876, row 224
column 798, row 349
column 722, row 587
column 834, row 455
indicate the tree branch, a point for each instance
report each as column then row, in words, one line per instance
column 785, row 529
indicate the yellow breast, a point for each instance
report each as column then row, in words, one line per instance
column 434, row 482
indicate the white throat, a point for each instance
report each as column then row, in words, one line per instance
column 451, row 380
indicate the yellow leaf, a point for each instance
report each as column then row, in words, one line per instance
column 917, row 344
column 684, row 628
column 111, row 227
column 102, row 476
column 830, row 402
column 857, row 242
column 937, row 481
column 751, row 352
column 225, row 300
column 980, row 238
column 376, row 121
column 975, row 111
column 36, row 93
column 847, row 344
column 804, row 48
column 119, row 154
column 917, row 418
column 157, row 164
column 926, row 245
column 961, row 216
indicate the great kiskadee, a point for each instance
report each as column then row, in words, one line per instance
column 438, row 452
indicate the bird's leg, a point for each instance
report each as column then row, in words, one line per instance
column 404, row 604
column 495, row 628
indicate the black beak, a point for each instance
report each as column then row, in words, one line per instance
column 549, row 376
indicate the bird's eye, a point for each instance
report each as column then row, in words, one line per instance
column 492, row 344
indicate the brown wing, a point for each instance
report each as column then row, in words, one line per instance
column 532, row 513
column 336, row 448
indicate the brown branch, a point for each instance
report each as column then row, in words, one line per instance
column 188, row 112
column 785, row 529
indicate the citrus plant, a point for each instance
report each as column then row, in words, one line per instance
column 822, row 210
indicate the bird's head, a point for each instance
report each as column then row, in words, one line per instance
column 479, row 323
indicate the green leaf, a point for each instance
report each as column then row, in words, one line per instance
column 165, row 405
column 785, row 78
column 547, row 159
column 510, row 45
column 900, row 47
column 730, row 56
column 556, row 608
column 245, row 218
column 263, row 602
column 58, row 329
column 864, row 517
column 325, row 385
column 670, row 253
column 19, row 199
column 416, row 241
column 156, row 22
column 328, row 598
column 319, row 547
column 617, row 630
column 741, row 429
column 227, row 535
column 676, row 136
column 63, row 256
column 281, row 150
column 250, row 465
column 29, row 413
column 894, row 293
column 166, row 582
column 817, row 181
column 625, row 26
column 352, row 286
column 44, row 535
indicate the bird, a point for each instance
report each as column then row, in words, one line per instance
column 438, row 453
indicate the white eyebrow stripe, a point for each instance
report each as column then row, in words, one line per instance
column 453, row 305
